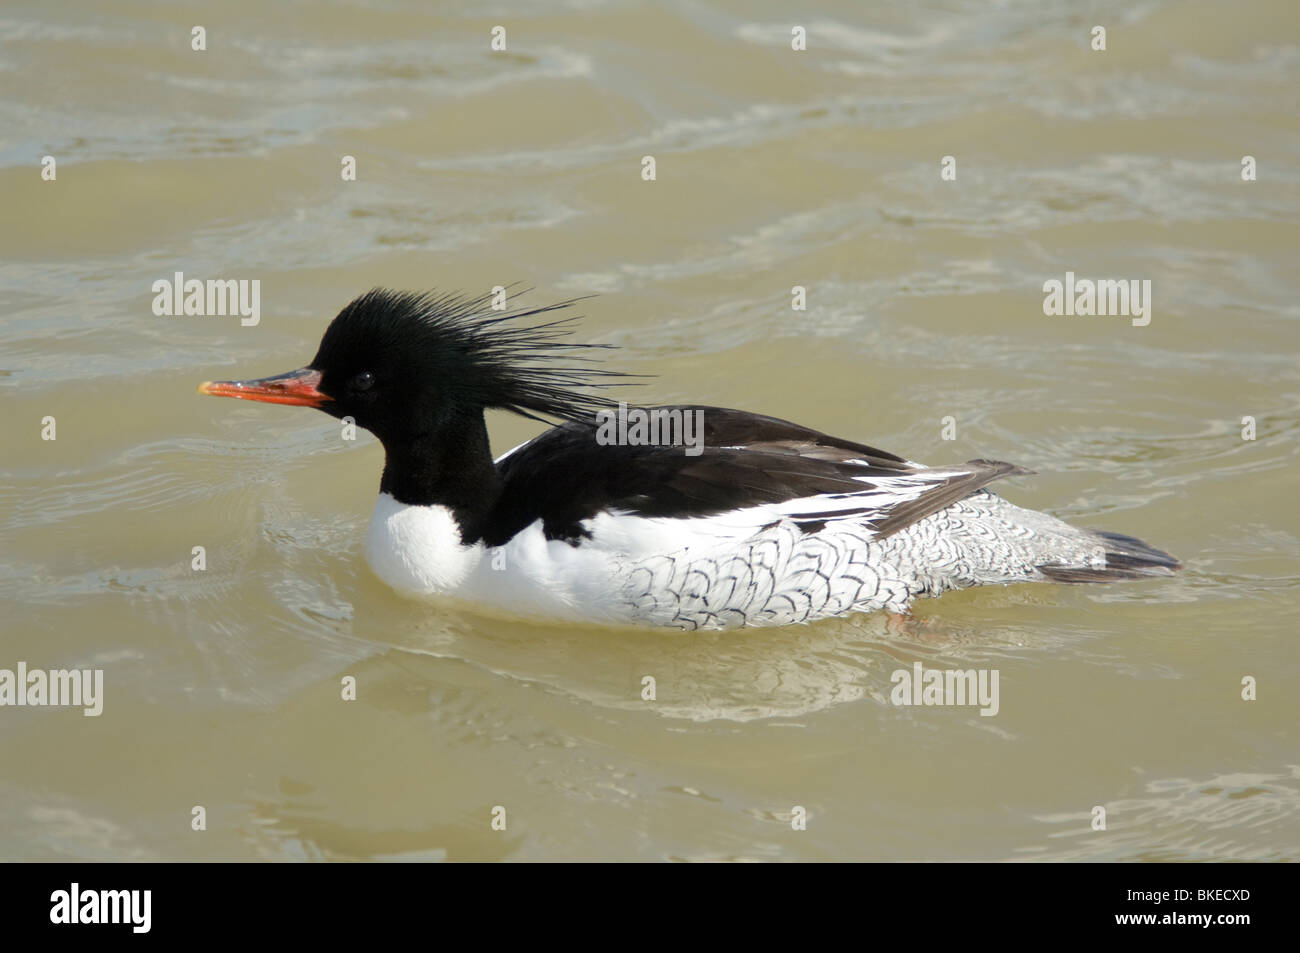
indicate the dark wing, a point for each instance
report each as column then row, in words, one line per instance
column 566, row 476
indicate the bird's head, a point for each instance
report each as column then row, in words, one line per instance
column 405, row 365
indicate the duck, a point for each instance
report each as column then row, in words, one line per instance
column 714, row 519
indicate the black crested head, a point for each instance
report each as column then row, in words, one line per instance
column 406, row 364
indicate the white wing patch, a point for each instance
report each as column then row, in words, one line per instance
column 870, row 506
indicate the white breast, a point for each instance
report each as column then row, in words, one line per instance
column 417, row 549
column 418, row 552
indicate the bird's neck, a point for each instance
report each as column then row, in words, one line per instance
column 450, row 467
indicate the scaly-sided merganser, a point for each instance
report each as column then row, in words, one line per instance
column 763, row 522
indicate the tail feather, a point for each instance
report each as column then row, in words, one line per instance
column 1126, row 558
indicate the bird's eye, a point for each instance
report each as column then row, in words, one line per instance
column 363, row 381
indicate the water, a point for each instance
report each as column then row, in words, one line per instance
column 775, row 169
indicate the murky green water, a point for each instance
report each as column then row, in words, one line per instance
column 774, row 169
